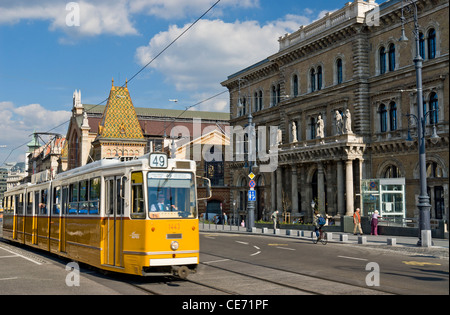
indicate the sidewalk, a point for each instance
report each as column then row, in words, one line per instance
column 403, row 243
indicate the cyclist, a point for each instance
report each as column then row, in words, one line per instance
column 318, row 222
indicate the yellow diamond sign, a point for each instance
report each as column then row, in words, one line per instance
column 251, row 175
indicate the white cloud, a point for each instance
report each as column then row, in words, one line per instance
column 19, row 122
column 214, row 49
column 107, row 16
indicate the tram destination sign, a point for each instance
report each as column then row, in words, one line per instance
column 158, row 160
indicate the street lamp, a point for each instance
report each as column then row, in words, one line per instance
column 250, row 157
column 234, row 211
column 424, row 200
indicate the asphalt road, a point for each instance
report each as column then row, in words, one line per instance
column 237, row 264
column 399, row 272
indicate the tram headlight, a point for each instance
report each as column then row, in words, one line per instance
column 174, row 245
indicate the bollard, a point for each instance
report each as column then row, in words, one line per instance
column 362, row 239
column 276, row 232
column 265, row 230
column 392, row 241
column 343, row 238
column 329, row 236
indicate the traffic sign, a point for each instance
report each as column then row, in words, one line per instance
column 252, row 184
column 252, row 195
column 251, row 175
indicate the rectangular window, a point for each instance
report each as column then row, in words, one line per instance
column 73, row 198
column 94, row 195
column 30, row 203
column 43, row 203
column 56, row 200
column 83, row 204
column 137, row 196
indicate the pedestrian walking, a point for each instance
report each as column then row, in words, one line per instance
column 274, row 218
column 374, row 223
column 357, row 221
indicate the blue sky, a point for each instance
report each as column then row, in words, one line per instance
column 43, row 60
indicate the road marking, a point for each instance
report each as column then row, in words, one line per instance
column 285, row 248
column 420, row 263
column 278, row 244
column 32, row 260
column 245, row 243
column 254, row 254
column 4, row 279
column 354, row 258
column 8, row 256
column 215, row 261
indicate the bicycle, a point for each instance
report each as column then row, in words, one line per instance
column 322, row 238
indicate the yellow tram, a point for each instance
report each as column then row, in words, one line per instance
column 136, row 217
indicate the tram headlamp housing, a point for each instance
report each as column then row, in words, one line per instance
column 174, row 245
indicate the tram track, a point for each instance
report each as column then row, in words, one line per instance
column 332, row 283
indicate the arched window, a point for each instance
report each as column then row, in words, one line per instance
column 431, row 44
column 274, row 96
column 261, row 105
column 278, row 93
column 393, row 116
column 422, row 45
column 434, row 115
column 383, row 118
column 434, row 170
column 391, row 57
column 312, row 78
column 312, row 128
column 382, row 58
column 295, row 85
column 392, row 171
column 339, row 71
column 319, row 78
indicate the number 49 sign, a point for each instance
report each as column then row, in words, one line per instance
column 158, row 160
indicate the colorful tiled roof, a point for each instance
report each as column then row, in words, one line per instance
column 119, row 119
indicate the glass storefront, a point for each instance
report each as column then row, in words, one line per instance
column 387, row 195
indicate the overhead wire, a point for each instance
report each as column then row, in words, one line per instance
column 137, row 73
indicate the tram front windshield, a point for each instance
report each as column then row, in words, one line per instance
column 171, row 195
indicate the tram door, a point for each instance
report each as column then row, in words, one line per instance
column 63, row 218
column 114, row 221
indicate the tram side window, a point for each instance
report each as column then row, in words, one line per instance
column 94, row 195
column 30, row 203
column 73, row 198
column 43, row 203
column 11, row 204
column 137, row 196
column 19, row 203
column 83, row 205
column 56, row 200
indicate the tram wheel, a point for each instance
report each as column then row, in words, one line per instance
column 182, row 272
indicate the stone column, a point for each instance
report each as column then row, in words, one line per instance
column 279, row 190
column 321, row 187
column 340, row 188
column 304, row 207
column 273, row 192
column 349, row 187
column 294, row 190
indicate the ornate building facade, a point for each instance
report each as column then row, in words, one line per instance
column 339, row 91
column 119, row 130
